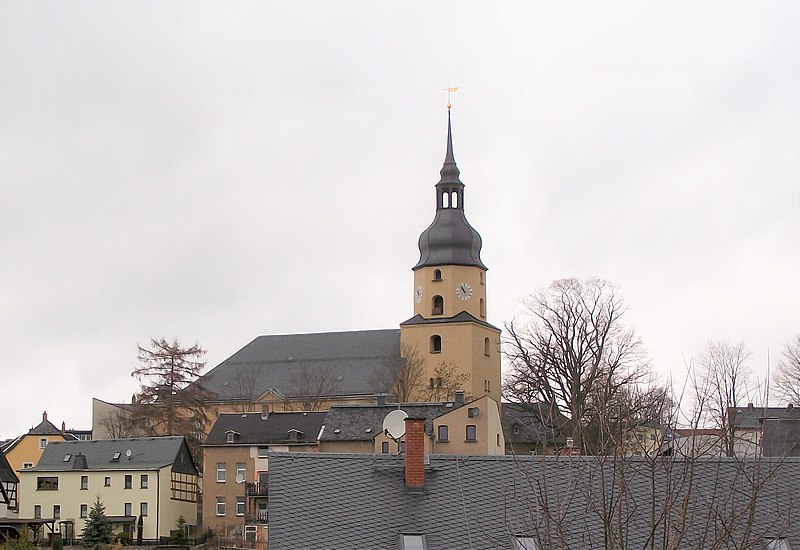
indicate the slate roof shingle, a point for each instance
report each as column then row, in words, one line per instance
column 252, row 429
column 269, row 362
column 364, row 422
column 327, row 501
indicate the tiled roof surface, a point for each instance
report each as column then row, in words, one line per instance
column 364, row 422
column 146, row 453
column 333, row 501
column 753, row 417
column 461, row 317
column 270, row 362
column 253, row 429
column 6, row 473
column 536, row 423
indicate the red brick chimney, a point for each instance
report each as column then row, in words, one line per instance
column 415, row 454
column 44, row 416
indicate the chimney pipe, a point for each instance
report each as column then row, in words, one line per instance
column 381, row 399
column 44, row 416
column 264, row 411
column 790, row 407
column 459, row 398
column 63, row 426
column 415, row 454
column 749, row 405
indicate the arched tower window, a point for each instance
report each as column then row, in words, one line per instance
column 445, row 200
column 454, row 199
column 436, row 347
column 437, row 274
column 483, row 308
column 437, row 305
column 481, row 274
column 486, row 346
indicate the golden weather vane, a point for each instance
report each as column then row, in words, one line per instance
column 449, row 90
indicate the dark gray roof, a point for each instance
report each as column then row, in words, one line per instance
column 7, row 474
column 146, row 453
column 450, row 239
column 751, row 418
column 364, row 422
column 535, row 423
column 326, row 501
column 462, row 317
column 781, row 436
column 254, row 429
column 45, row 427
column 270, row 362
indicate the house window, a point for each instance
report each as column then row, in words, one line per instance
column 498, row 439
column 42, row 442
column 441, row 433
column 107, row 481
column 47, row 484
column 221, row 473
column 523, row 543
column 144, row 481
column 128, row 509
column 84, row 510
column 37, row 511
column 229, row 437
column 84, row 483
column 436, row 344
column 437, row 305
column 437, row 274
column 385, row 447
column 239, row 506
column 241, row 472
column 56, row 511
column 67, row 457
column 413, row 542
column 263, row 452
column 472, row 432
column 143, row 509
column 220, row 506
column 128, row 481
column 486, row 346
column 26, row 465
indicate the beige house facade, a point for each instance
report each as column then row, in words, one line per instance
column 145, row 484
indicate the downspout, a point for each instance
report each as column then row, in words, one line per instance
column 158, row 503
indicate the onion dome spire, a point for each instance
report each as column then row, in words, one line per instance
column 450, row 239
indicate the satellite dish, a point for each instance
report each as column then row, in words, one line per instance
column 128, row 453
column 394, row 425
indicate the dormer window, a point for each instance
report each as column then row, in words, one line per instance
column 437, row 305
column 231, row 436
column 115, row 458
column 295, row 435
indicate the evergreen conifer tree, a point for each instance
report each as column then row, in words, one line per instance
column 97, row 532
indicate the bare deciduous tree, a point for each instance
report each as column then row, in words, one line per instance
column 721, row 386
column 787, row 375
column 243, row 387
column 444, row 383
column 171, row 400
column 119, row 424
column 571, row 348
column 311, row 385
column 401, row 375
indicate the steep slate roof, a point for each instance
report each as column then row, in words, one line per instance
column 538, row 423
column 751, row 418
column 252, row 429
column 7, row 475
column 462, row 317
column 364, row 422
column 269, row 362
column 782, row 435
column 327, row 501
column 146, row 453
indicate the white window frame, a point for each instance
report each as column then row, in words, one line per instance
column 143, row 509
column 241, row 473
column 240, row 503
column 221, row 509
column 42, row 442
column 84, row 510
column 144, row 481
column 222, row 472
column 127, row 509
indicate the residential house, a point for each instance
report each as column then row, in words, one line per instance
column 8, row 487
column 453, row 427
column 235, row 461
column 331, row 500
column 24, row 451
column 781, row 433
column 648, row 439
column 697, row 442
column 532, row 428
column 144, row 483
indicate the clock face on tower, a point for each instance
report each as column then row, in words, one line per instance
column 418, row 294
column 464, row 291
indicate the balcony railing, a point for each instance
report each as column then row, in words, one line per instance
column 255, row 489
column 256, row 517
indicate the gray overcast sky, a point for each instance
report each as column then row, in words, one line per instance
column 216, row 171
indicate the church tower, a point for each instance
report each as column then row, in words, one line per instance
column 449, row 324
